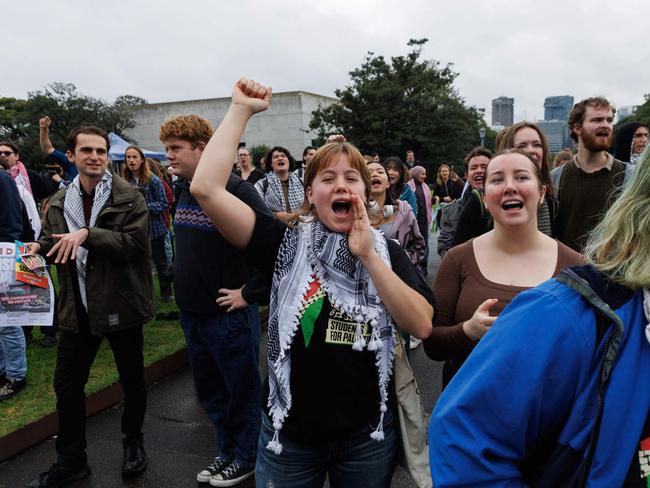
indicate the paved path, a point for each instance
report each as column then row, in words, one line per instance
column 179, row 438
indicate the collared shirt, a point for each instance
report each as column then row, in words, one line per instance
column 607, row 166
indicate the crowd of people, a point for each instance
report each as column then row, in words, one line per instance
column 539, row 307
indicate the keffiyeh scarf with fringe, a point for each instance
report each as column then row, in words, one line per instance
column 275, row 195
column 73, row 211
column 313, row 250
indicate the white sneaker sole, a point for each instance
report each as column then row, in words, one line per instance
column 233, row 482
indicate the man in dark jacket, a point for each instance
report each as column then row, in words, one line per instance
column 97, row 233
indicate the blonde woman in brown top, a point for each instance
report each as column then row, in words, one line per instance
column 477, row 279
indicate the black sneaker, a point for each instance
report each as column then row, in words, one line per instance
column 3, row 380
column 214, row 468
column 59, row 475
column 232, row 475
column 11, row 388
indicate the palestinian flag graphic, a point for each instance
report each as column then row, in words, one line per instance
column 644, row 460
column 311, row 307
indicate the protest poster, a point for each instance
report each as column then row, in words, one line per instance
column 26, row 291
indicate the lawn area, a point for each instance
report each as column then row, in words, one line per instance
column 161, row 338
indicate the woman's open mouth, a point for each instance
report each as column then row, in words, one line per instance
column 512, row 205
column 341, row 208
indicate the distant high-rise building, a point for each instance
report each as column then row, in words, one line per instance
column 557, row 134
column 558, row 108
column 503, row 109
column 625, row 111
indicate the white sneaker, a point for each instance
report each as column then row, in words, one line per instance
column 214, row 468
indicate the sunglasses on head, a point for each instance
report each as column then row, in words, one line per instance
column 6, row 153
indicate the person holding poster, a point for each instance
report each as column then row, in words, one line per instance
column 13, row 359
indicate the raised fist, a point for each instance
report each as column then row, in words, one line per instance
column 251, row 96
column 44, row 122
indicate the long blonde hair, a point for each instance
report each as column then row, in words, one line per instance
column 620, row 243
column 145, row 171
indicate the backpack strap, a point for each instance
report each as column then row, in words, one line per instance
column 478, row 194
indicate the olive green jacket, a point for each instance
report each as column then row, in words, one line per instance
column 119, row 285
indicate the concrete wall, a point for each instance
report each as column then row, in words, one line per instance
column 285, row 123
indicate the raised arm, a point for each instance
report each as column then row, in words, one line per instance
column 44, row 135
column 234, row 219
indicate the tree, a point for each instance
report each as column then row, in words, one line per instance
column 405, row 104
column 258, row 152
column 68, row 108
column 641, row 114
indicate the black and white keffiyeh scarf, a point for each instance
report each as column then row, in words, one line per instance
column 275, row 196
column 73, row 211
column 309, row 250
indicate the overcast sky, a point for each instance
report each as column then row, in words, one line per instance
column 167, row 50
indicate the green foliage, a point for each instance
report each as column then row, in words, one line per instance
column 407, row 103
column 642, row 114
column 258, row 152
column 68, row 108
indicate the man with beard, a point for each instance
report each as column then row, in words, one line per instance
column 591, row 182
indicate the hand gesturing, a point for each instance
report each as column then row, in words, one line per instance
column 360, row 238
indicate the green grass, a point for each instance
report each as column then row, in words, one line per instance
column 161, row 338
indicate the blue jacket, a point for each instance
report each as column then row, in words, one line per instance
column 562, row 360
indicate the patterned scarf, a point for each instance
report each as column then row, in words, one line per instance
column 313, row 250
column 275, row 195
column 73, row 211
column 20, row 176
column 19, row 173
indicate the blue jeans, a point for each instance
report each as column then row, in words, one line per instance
column 356, row 461
column 224, row 355
column 13, row 353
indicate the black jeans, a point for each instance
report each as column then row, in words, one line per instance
column 76, row 354
column 163, row 268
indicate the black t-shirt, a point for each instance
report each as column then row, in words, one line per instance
column 638, row 476
column 334, row 388
column 256, row 175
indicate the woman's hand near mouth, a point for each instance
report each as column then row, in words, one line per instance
column 360, row 237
